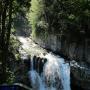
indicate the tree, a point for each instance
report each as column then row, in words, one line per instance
column 67, row 16
column 36, row 14
column 8, row 10
column 5, row 30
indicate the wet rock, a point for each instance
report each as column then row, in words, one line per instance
column 45, row 60
column 40, row 66
column 37, row 64
column 73, row 50
column 34, row 62
column 81, row 75
column 27, row 63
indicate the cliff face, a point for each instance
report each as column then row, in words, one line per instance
column 62, row 26
column 74, row 50
column 80, row 52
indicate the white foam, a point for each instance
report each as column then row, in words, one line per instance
column 56, row 75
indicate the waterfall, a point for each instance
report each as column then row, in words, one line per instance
column 55, row 75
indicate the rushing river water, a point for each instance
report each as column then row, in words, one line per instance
column 51, row 74
column 55, row 75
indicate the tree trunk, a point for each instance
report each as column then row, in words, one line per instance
column 3, row 56
column 5, row 37
column 9, row 24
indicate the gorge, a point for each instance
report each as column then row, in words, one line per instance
column 45, row 44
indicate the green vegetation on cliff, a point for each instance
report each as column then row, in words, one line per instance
column 36, row 16
column 68, row 17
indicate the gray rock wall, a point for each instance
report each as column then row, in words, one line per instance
column 78, row 52
column 75, row 51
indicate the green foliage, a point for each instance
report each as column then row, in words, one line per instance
column 14, row 46
column 42, row 25
column 9, row 9
column 70, row 17
column 10, row 76
column 35, row 15
column 20, row 7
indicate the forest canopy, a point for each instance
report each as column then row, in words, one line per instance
column 61, row 16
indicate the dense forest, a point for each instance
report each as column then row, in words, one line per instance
column 58, row 26
column 8, row 11
column 71, row 16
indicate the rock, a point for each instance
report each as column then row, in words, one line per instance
column 74, row 50
column 81, row 75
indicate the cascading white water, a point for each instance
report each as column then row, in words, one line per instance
column 55, row 76
column 35, row 79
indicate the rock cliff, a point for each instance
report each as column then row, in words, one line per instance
column 80, row 52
